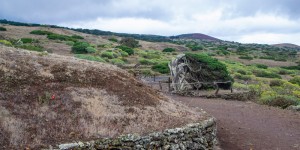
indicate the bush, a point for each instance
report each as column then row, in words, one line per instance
column 108, row 55
column 40, row 32
column 126, row 49
column 113, row 39
column 242, row 72
column 129, row 42
column 77, row 37
column 147, row 62
column 295, row 80
column 265, row 74
column 162, row 68
column 2, row 29
column 89, row 57
column 29, row 40
column 60, row 37
column 70, row 43
column 124, row 54
column 169, row 49
column 80, row 48
column 91, row 49
column 242, row 77
column 5, row 42
column 282, row 101
column 292, row 67
column 246, row 57
column 32, row 47
column 117, row 62
column 261, row 66
column 276, row 82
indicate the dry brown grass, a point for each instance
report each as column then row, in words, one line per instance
column 92, row 100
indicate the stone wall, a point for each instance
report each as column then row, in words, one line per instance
column 200, row 136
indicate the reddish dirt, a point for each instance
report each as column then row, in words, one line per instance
column 247, row 125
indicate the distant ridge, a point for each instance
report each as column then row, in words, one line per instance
column 289, row 45
column 198, row 36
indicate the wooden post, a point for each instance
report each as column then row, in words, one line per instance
column 217, row 88
column 169, row 84
column 154, row 77
column 160, row 85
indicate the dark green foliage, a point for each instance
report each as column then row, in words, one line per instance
column 2, row 29
column 276, row 82
column 60, row 37
column 80, row 47
column 113, row 39
column 295, row 80
column 282, row 101
column 242, row 72
column 40, row 32
column 29, row 40
column 162, row 68
column 211, row 68
column 265, row 74
column 261, row 66
column 129, row 42
column 126, row 49
column 89, row 57
column 147, row 62
column 77, row 37
column 32, row 47
column 246, row 57
column 168, row 49
column 292, row 67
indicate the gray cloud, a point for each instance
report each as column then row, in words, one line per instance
column 231, row 19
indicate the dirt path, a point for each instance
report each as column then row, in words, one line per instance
column 247, row 125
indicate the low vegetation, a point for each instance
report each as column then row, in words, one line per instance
column 2, row 29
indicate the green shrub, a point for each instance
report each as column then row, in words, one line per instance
column 295, row 80
column 70, row 43
column 246, row 57
column 262, row 66
column 91, row 49
column 242, row 77
column 169, row 49
column 5, row 42
column 60, row 37
column 77, row 37
column 124, row 54
column 89, row 57
column 129, row 42
column 292, row 67
column 108, row 55
column 29, row 40
column 117, row 62
column 40, row 32
column 113, row 39
column 242, row 72
column 147, row 62
column 126, row 49
column 282, row 101
column 32, row 47
column 276, row 82
column 2, row 29
column 80, row 48
column 162, row 68
column 265, row 74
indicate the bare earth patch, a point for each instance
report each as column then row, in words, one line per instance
column 56, row 99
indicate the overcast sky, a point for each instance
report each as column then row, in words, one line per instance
column 246, row 21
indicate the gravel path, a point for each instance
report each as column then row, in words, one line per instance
column 247, row 125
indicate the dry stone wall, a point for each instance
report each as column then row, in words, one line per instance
column 200, row 136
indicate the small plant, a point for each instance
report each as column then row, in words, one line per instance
column 246, row 57
column 37, row 48
column 129, row 42
column 29, row 40
column 80, row 47
column 44, row 98
column 108, row 55
column 40, row 32
column 89, row 57
column 295, row 80
column 266, row 74
column 261, row 66
column 126, row 49
column 276, row 82
column 113, row 39
column 162, row 68
column 5, row 42
column 169, row 49
column 70, row 43
column 117, row 62
column 77, row 37
column 2, row 29
column 91, row 49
